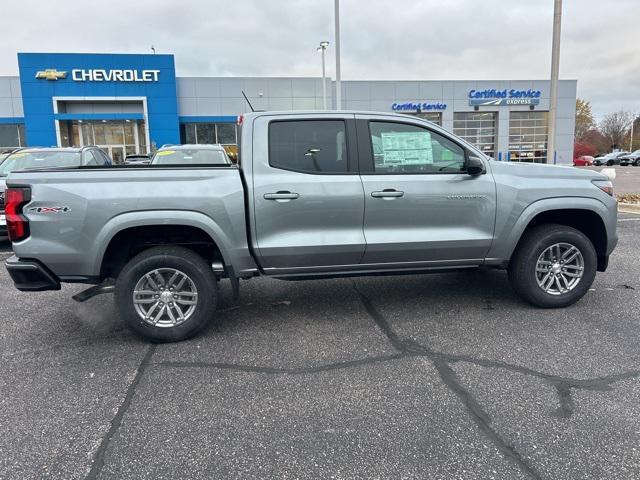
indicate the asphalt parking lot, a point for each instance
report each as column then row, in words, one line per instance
column 434, row 376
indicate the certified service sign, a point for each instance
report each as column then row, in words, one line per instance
column 504, row 97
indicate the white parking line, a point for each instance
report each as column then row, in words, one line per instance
column 628, row 219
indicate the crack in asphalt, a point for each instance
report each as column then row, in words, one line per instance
column 287, row 371
column 450, row 380
column 442, row 362
column 98, row 459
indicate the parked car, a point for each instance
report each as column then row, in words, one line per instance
column 632, row 158
column 609, row 159
column 583, row 161
column 35, row 158
column 314, row 195
column 137, row 159
column 204, row 154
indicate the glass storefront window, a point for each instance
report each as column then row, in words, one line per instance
column 206, row 133
column 226, row 133
column 12, row 135
column 477, row 128
column 114, row 137
column 199, row 133
column 528, row 136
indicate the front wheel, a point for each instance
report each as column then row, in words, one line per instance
column 166, row 294
column 553, row 266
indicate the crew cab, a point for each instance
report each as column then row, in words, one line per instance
column 314, row 195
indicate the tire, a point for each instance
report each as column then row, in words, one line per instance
column 610, row 163
column 636, row 163
column 196, row 298
column 523, row 267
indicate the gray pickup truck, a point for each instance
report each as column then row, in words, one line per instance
column 314, row 195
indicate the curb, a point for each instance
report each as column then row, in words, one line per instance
column 629, row 208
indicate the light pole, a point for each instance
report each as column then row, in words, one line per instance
column 322, row 48
column 337, row 34
column 633, row 121
column 555, row 67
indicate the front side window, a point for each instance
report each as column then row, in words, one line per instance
column 313, row 146
column 405, row 148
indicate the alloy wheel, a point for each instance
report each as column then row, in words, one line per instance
column 165, row 297
column 559, row 268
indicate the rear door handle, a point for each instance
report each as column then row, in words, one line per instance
column 283, row 195
column 387, row 193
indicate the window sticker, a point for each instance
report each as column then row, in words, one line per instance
column 164, row 153
column 407, row 148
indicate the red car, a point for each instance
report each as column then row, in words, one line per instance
column 583, row 161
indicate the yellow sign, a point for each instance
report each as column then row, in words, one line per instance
column 51, row 74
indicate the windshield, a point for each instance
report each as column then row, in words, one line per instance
column 42, row 159
column 190, row 156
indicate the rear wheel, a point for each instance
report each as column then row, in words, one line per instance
column 553, row 266
column 166, row 294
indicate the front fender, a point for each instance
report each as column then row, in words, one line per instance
column 513, row 228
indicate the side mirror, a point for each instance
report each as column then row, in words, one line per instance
column 475, row 166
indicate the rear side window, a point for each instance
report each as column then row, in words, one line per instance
column 310, row 146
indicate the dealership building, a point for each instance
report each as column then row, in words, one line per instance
column 129, row 103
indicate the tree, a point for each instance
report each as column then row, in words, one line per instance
column 582, row 148
column 584, row 118
column 594, row 138
column 615, row 127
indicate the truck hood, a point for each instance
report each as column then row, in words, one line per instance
column 541, row 170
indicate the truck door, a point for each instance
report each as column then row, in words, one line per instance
column 307, row 193
column 420, row 204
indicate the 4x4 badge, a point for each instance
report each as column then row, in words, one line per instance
column 50, row 209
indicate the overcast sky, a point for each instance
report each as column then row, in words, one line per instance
column 381, row 39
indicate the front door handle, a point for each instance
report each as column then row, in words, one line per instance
column 387, row 193
column 281, row 195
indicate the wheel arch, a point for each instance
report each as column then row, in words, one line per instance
column 583, row 214
column 126, row 235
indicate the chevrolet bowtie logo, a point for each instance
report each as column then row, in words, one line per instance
column 51, row 74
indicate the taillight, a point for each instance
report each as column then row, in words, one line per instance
column 17, row 223
column 240, row 119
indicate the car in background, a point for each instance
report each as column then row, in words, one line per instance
column 204, row 154
column 137, row 159
column 583, row 161
column 632, row 158
column 609, row 159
